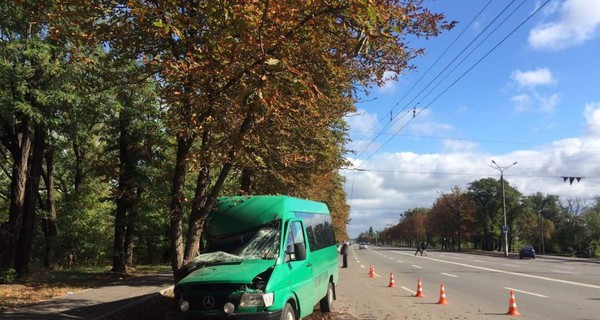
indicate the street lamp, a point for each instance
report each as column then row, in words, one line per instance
column 505, row 226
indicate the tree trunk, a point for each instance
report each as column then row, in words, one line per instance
column 49, row 225
column 247, row 181
column 184, row 145
column 130, row 232
column 200, row 213
column 31, row 196
column 196, row 220
column 125, row 193
column 78, row 175
column 18, row 142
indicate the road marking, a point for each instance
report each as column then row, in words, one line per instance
column 562, row 271
column 478, row 261
column 407, row 289
column 415, row 266
column 449, row 275
column 362, row 266
column 511, row 273
column 526, row 292
column 563, row 267
column 391, row 258
column 511, row 265
column 400, row 261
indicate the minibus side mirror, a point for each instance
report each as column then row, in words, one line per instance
column 300, row 249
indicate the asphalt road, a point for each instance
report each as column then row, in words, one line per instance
column 476, row 286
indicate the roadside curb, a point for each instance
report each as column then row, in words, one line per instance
column 131, row 305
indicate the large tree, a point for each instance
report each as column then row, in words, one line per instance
column 227, row 69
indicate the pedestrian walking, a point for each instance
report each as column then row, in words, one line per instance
column 344, row 253
column 419, row 248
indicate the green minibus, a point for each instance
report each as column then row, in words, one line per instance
column 263, row 257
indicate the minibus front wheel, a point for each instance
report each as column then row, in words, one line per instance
column 327, row 302
column 288, row 312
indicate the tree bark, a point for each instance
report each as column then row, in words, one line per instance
column 31, row 196
column 18, row 142
column 184, row 145
column 125, row 193
column 131, row 229
column 49, row 225
column 199, row 213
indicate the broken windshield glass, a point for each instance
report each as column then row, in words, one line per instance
column 259, row 243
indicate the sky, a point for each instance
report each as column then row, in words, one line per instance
column 514, row 81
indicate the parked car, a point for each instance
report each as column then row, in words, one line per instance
column 362, row 245
column 527, row 251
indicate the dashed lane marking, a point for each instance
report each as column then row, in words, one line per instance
column 415, row 266
column 580, row 284
column 407, row 289
column 450, row 275
column 526, row 292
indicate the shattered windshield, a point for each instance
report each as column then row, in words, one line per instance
column 259, row 243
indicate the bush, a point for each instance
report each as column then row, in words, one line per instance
column 8, row 276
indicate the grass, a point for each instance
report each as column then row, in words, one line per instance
column 42, row 285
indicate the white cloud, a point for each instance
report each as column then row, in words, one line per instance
column 396, row 182
column 532, row 100
column 522, row 102
column 391, row 82
column 459, row 146
column 540, row 76
column 548, row 104
column 592, row 116
column 577, row 23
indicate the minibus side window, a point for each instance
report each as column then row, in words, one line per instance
column 295, row 236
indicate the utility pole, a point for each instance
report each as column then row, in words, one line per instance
column 505, row 226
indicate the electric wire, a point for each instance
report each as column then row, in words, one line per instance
column 458, row 79
column 423, row 75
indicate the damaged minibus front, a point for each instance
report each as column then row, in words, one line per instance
column 263, row 257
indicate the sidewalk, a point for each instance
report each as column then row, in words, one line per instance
column 95, row 303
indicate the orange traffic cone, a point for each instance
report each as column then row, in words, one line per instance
column 419, row 289
column 512, row 305
column 391, row 285
column 370, row 270
column 442, row 295
column 372, row 274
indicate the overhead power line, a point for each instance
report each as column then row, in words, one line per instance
column 458, row 79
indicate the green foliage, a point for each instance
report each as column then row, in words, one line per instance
column 8, row 276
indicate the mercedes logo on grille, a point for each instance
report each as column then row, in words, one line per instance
column 208, row 302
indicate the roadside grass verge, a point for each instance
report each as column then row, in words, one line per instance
column 42, row 285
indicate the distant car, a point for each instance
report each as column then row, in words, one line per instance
column 527, row 251
column 362, row 245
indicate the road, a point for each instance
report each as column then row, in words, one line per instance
column 476, row 286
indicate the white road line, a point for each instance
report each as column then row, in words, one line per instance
column 526, row 292
column 512, row 273
column 400, row 261
column 449, row 275
column 562, row 271
column 563, row 267
column 391, row 258
column 407, row 289
column 362, row 266
column 511, row 265
column 415, row 266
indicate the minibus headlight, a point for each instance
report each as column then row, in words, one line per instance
column 184, row 305
column 256, row 300
column 268, row 299
column 228, row 308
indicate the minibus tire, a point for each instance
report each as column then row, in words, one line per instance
column 326, row 302
column 288, row 312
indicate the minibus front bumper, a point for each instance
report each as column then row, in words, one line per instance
column 266, row 315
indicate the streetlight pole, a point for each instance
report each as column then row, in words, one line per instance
column 505, row 226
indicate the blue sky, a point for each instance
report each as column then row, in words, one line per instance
column 534, row 99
